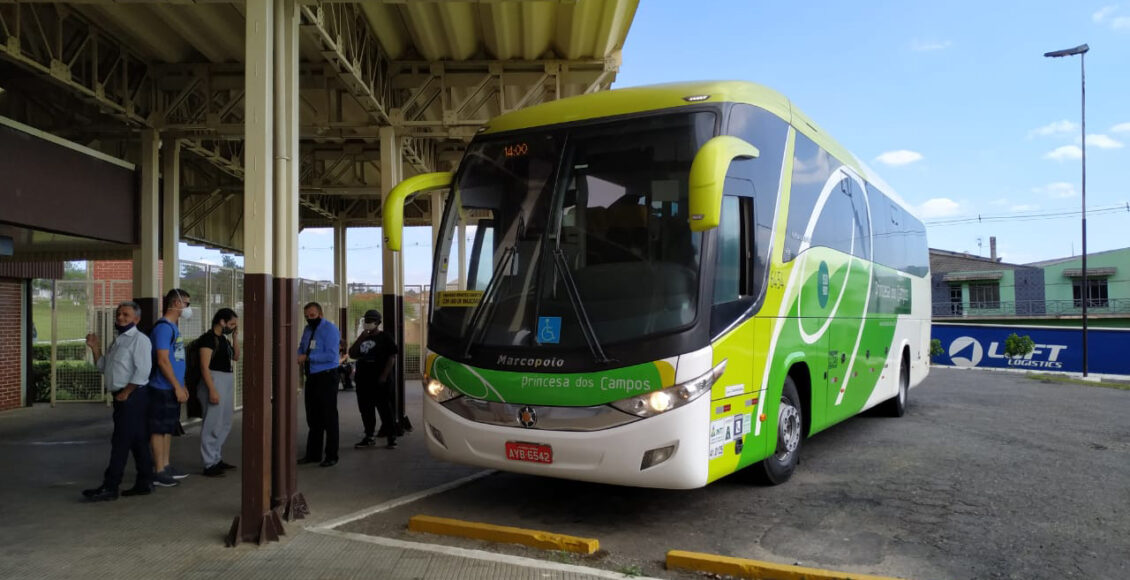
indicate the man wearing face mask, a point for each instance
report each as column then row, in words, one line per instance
column 318, row 356
column 166, row 383
column 217, row 354
column 375, row 352
column 126, row 368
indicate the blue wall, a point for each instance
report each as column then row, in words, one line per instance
column 1057, row 349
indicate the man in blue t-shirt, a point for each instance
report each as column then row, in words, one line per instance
column 167, row 391
column 318, row 355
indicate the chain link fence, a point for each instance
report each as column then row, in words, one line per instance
column 64, row 311
column 363, row 297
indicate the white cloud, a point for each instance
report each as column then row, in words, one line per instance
column 929, row 45
column 938, row 207
column 1103, row 142
column 1064, row 153
column 1024, row 207
column 1057, row 190
column 900, row 157
column 1056, row 128
column 1121, row 128
column 1106, row 16
column 1104, row 12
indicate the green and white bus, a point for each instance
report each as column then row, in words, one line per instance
column 664, row 285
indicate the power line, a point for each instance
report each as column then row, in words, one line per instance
column 1030, row 216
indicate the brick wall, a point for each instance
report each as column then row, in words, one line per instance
column 11, row 340
column 114, row 272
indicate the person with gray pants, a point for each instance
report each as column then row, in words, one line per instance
column 217, row 358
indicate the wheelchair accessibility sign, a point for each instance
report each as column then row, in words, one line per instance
column 549, row 329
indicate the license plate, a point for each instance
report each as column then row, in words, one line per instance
column 530, row 452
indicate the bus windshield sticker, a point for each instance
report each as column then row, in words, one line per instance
column 549, row 329
column 459, row 299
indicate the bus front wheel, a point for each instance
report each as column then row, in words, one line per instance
column 779, row 467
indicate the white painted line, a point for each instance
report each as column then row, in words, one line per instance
column 388, row 505
column 477, row 554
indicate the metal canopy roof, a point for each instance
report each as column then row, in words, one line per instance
column 95, row 72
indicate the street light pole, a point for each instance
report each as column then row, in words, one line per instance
column 1081, row 50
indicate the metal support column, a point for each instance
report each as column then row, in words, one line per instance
column 170, row 234
column 340, row 235
column 257, row 522
column 285, row 494
column 391, row 283
column 145, row 290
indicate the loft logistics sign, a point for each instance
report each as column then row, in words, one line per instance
column 1056, row 349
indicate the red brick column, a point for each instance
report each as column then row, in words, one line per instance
column 12, row 340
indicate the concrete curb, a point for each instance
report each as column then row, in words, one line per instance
column 743, row 568
column 504, row 534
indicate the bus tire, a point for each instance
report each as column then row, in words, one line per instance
column 896, row 405
column 779, row 467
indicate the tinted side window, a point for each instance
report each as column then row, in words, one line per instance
column 835, row 226
column 762, row 176
column 812, row 166
column 900, row 239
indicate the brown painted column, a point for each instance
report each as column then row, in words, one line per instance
column 256, row 521
column 341, row 233
column 392, row 284
column 285, row 497
column 145, row 291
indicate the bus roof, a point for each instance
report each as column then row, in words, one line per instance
column 667, row 96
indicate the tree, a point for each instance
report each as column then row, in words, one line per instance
column 228, row 261
column 1018, row 346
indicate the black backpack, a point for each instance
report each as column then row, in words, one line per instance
column 193, row 376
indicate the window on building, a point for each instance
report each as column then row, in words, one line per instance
column 1098, row 296
column 984, row 296
column 955, row 300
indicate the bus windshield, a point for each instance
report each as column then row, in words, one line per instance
column 573, row 235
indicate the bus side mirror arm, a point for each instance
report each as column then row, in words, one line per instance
column 708, row 175
column 392, row 213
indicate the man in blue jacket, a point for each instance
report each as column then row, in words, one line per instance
column 318, row 355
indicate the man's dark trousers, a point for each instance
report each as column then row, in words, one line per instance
column 131, row 433
column 321, row 414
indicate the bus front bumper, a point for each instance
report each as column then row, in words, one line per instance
column 612, row 455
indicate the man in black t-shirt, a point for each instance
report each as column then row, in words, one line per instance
column 217, row 388
column 375, row 352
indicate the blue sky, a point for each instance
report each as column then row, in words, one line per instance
column 953, row 104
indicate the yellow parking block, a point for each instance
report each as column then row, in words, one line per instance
column 743, row 568
column 504, row 534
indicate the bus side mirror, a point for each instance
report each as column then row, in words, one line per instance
column 708, row 173
column 392, row 214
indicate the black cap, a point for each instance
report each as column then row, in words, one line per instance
column 373, row 315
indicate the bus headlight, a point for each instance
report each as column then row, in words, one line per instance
column 656, row 402
column 438, row 391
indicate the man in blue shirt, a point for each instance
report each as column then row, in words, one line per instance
column 166, row 391
column 318, row 355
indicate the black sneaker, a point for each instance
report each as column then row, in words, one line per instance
column 391, row 443
column 138, row 490
column 366, row 442
column 89, row 493
column 164, row 480
column 101, row 494
column 225, row 465
column 174, row 472
column 216, row 470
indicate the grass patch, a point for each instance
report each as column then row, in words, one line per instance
column 631, row 570
column 1047, row 378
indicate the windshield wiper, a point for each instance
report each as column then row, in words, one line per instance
column 561, row 264
column 486, row 299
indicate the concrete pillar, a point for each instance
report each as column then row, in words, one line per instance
column 284, row 473
column 256, row 521
column 145, row 291
column 340, row 278
column 170, row 231
column 392, row 282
